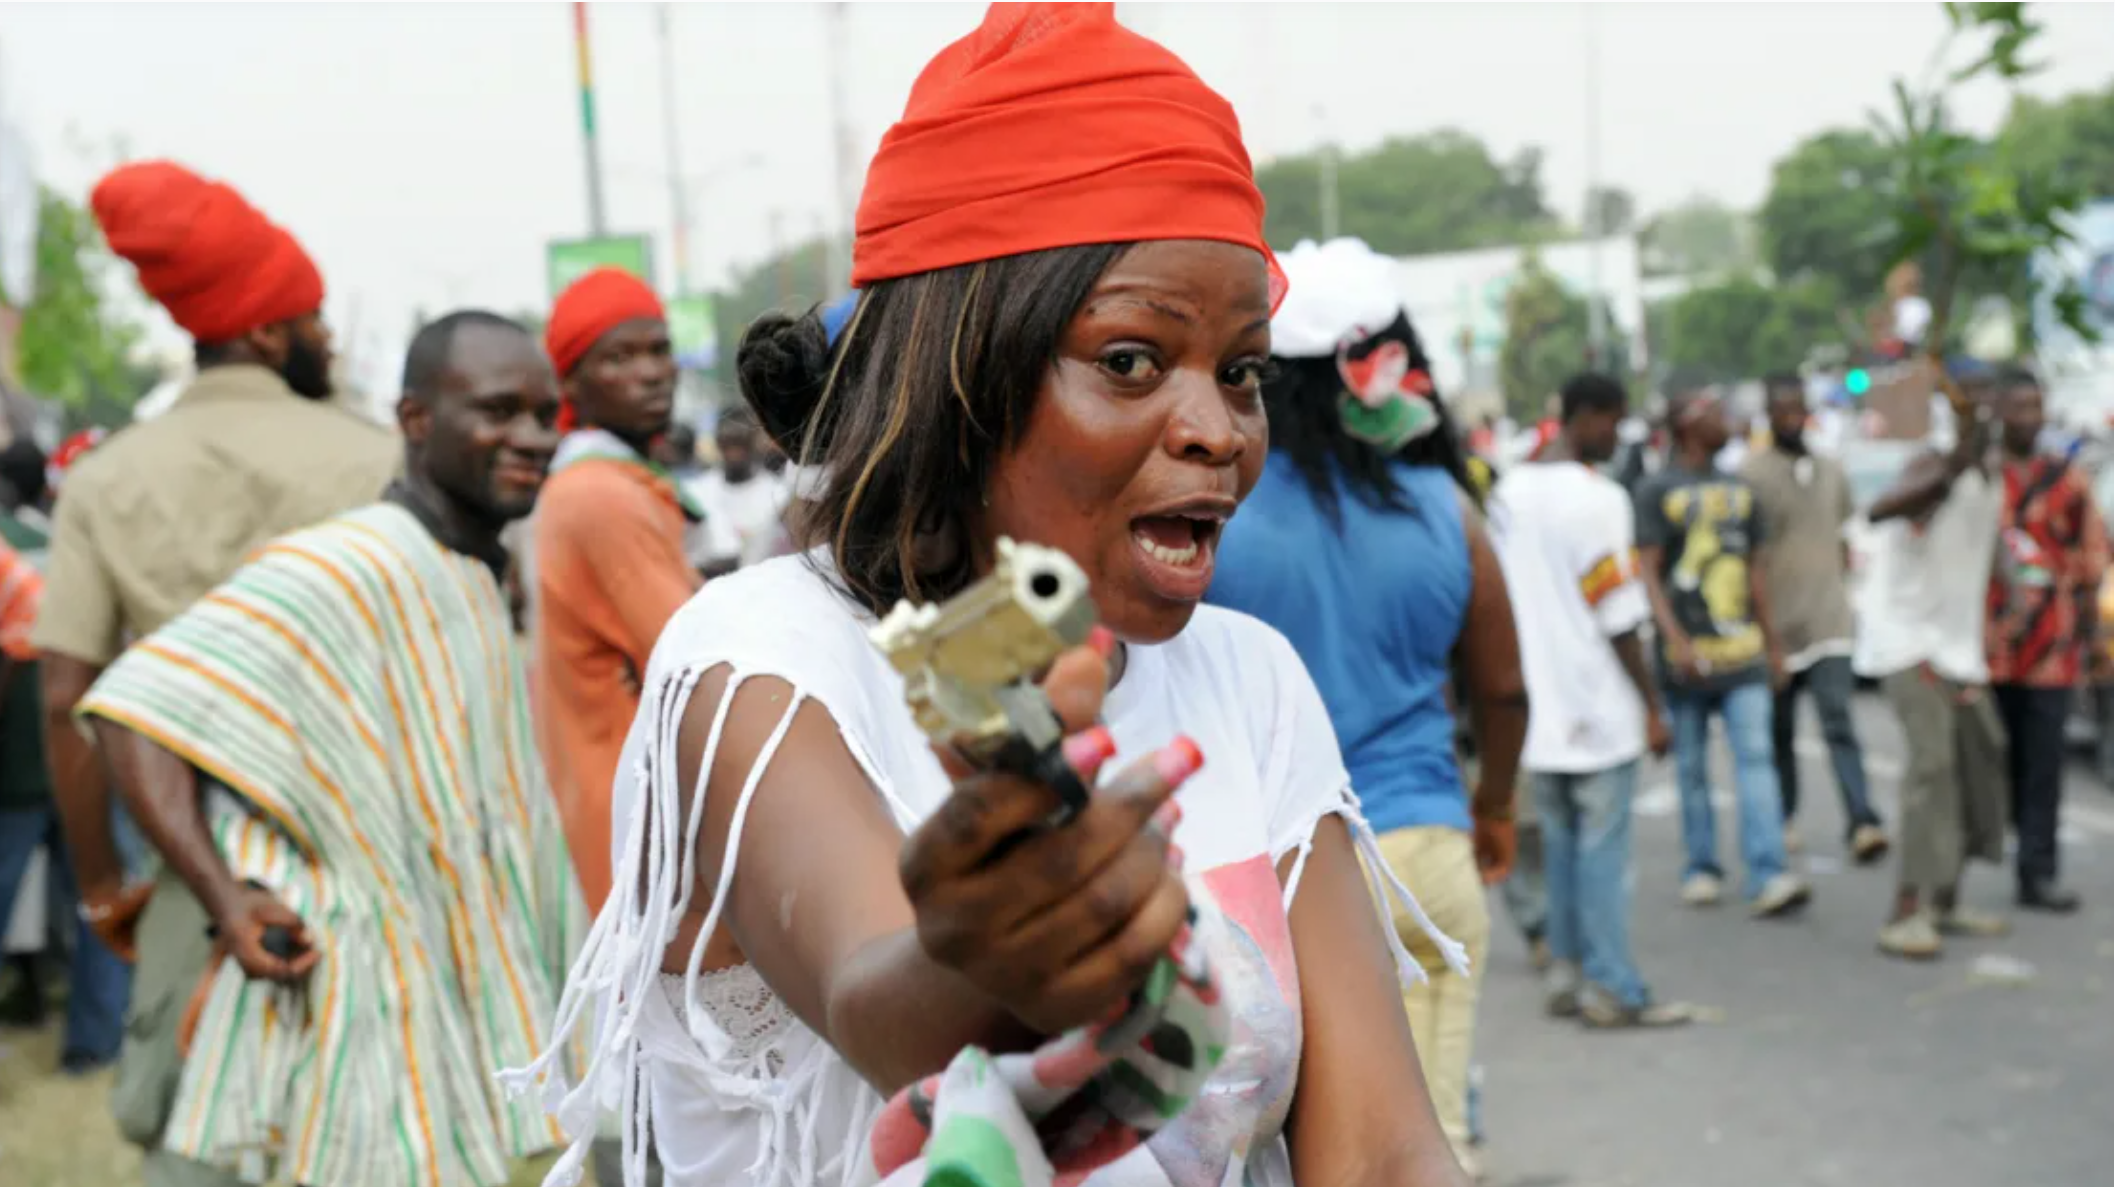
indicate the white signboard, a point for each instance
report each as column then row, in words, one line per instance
column 1450, row 292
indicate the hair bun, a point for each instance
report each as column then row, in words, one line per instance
column 781, row 366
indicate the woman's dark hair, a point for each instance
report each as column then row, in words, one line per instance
column 22, row 468
column 1301, row 398
column 932, row 379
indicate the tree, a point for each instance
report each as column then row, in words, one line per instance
column 1826, row 215
column 1700, row 237
column 75, row 348
column 2067, row 144
column 1610, row 210
column 1953, row 200
column 1741, row 328
column 790, row 281
column 1545, row 338
column 1442, row 191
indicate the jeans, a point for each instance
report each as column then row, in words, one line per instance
column 99, row 983
column 1524, row 891
column 1586, row 866
column 2034, row 722
column 1831, row 681
column 1746, row 710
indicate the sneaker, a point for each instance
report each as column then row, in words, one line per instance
column 2047, row 896
column 1539, row 957
column 1868, row 844
column 1912, row 937
column 1560, row 991
column 1781, row 896
column 1702, row 890
column 1599, row 1011
column 1964, row 921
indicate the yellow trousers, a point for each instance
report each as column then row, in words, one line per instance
column 1439, row 866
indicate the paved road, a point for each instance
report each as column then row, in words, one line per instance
column 1830, row 1065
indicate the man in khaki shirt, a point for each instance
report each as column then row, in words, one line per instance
column 1806, row 501
column 156, row 518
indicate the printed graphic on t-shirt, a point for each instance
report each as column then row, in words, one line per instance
column 1707, row 529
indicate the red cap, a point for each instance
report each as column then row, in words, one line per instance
column 1053, row 126
column 210, row 258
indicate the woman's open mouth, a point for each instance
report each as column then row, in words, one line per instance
column 1176, row 549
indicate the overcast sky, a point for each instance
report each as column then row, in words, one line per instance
column 425, row 153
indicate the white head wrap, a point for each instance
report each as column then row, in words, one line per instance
column 1333, row 289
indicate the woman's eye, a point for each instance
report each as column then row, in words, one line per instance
column 1134, row 366
column 1249, row 376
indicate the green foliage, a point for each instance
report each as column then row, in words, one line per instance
column 1442, row 191
column 1825, row 215
column 1955, row 200
column 790, row 282
column 1545, row 339
column 74, row 348
column 1741, row 328
column 2066, row 146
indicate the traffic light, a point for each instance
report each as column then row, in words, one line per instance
column 1858, row 381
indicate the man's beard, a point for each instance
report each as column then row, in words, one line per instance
column 1796, row 443
column 306, row 370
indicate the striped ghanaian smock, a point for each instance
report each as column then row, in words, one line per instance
column 357, row 694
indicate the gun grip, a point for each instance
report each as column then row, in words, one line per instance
column 1048, row 767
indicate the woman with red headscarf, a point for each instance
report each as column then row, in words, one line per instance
column 839, row 955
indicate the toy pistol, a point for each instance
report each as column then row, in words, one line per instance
column 969, row 663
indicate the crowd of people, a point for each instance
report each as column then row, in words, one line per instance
column 513, row 785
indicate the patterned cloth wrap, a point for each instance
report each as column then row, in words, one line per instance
column 1051, row 1117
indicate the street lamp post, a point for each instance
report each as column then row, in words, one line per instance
column 1596, row 306
column 598, row 223
column 678, row 201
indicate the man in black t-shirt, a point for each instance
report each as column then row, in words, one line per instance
column 1699, row 532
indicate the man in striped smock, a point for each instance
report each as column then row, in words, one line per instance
column 333, row 751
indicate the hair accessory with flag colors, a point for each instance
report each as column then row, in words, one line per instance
column 204, row 253
column 1052, row 126
column 1338, row 288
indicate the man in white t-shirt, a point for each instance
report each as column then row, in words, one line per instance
column 1564, row 537
column 742, row 496
column 1922, row 604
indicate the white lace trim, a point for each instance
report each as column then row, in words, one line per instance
column 737, row 1003
column 617, row 977
column 1385, row 885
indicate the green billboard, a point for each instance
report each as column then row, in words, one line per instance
column 567, row 260
column 694, row 332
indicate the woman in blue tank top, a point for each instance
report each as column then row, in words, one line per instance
column 1364, row 545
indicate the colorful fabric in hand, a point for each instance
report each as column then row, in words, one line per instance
column 1078, row 1103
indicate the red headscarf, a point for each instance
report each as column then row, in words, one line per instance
column 210, row 258
column 1053, row 126
column 590, row 307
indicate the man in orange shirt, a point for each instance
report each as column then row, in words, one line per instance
column 607, row 558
